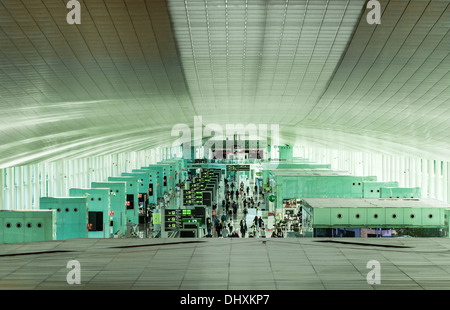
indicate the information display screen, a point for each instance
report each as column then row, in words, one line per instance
column 238, row 167
column 174, row 218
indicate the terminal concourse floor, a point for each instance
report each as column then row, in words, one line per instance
column 228, row 264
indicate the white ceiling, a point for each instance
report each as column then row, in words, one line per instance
column 133, row 69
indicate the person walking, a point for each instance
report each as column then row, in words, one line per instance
column 255, row 221
column 208, row 226
column 216, row 224
column 223, row 218
column 260, row 223
column 243, row 226
column 219, row 229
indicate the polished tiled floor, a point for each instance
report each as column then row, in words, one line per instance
column 227, row 264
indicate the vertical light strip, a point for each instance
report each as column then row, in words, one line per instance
column 36, row 190
column 12, row 186
column 446, row 182
column 438, row 181
column 430, row 177
column 28, row 187
column 2, row 189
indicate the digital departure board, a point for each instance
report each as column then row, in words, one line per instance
column 174, row 218
column 238, row 167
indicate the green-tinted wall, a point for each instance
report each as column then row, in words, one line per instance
column 132, row 192
column 400, row 192
column 71, row 215
column 372, row 189
column 98, row 202
column 379, row 217
column 118, row 203
column 27, row 226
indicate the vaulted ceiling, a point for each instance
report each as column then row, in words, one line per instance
column 133, row 69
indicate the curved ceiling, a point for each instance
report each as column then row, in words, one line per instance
column 133, row 69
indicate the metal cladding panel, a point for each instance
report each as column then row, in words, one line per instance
column 285, row 152
column 32, row 232
column 339, row 217
column 446, row 213
column 412, row 216
column 356, row 187
column 400, row 192
column 98, row 201
column 334, row 186
column 132, row 189
column 321, row 216
column 376, row 217
column 373, row 213
column 395, row 217
column 318, row 186
column 372, row 189
column 160, row 173
column 433, row 217
column 12, row 227
column 299, row 165
column 357, row 216
column 143, row 177
column 27, row 226
column 118, row 202
column 153, row 179
column 71, row 215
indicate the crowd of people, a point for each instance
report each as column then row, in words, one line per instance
column 235, row 198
